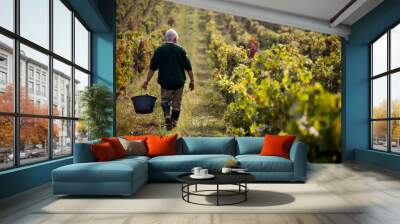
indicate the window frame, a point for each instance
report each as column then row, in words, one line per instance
column 16, row 114
column 388, row 74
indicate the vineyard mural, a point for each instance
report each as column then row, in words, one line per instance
column 251, row 77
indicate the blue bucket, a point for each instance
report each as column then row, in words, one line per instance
column 144, row 104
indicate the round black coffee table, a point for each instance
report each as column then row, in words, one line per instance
column 238, row 179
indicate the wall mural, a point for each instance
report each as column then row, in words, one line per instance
column 251, row 77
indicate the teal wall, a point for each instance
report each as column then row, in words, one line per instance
column 355, row 113
column 24, row 178
column 103, row 64
column 103, row 53
column 99, row 15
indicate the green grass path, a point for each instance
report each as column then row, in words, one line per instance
column 202, row 109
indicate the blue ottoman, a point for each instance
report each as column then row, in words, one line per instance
column 119, row 177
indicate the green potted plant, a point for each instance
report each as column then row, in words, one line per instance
column 96, row 102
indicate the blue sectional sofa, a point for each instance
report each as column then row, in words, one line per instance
column 125, row 176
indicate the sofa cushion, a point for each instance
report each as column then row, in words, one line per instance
column 206, row 145
column 257, row 163
column 103, row 152
column 185, row 163
column 134, row 147
column 134, row 157
column 161, row 145
column 116, row 145
column 135, row 137
column 83, row 152
column 277, row 145
column 112, row 171
column 249, row 145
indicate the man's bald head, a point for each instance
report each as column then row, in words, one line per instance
column 171, row 36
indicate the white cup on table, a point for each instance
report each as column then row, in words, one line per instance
column 203, row 172
column 226, row 170
column 196, row 171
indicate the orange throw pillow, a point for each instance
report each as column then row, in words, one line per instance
column 161, row 145
column 136, row 137
column 116, row 145
column 103, row 152
column 277, row 145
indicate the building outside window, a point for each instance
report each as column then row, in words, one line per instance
column 57, row 127
column 3, row 72
column 43, row 78
column 3, row 61
column 385, row 94
column 43, row 90
column 55, row 97
column 30, row 72
column 37, row 75
column 38, row 89
column 3, row 78
column 30, row 87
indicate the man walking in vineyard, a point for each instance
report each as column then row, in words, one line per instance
column 171, row 61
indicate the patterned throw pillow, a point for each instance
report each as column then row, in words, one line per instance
column 134, row 147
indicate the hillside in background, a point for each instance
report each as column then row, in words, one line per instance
column 251, row 77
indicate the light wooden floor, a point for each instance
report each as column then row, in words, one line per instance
column 379, row 189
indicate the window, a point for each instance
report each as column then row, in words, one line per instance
column 81, row 45
column 35, row 21
column 30, row 72
column 38, row 89
column 33, row 147
column 3, row 72
column 6, row 73
column 3, row 61
column 385, row 94
column 62, row 137
column 49, row 80
column 6, row 142
column 38, row 75
column 30, row 88
column 62, row 74
column 55, row 101
column 3, row 78
column 62, row 29
column 395, row 47
column 44, row 91
column 7, row 14
column 81, row 82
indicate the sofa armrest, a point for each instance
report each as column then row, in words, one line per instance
column 83, row 152
column 298, row 155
